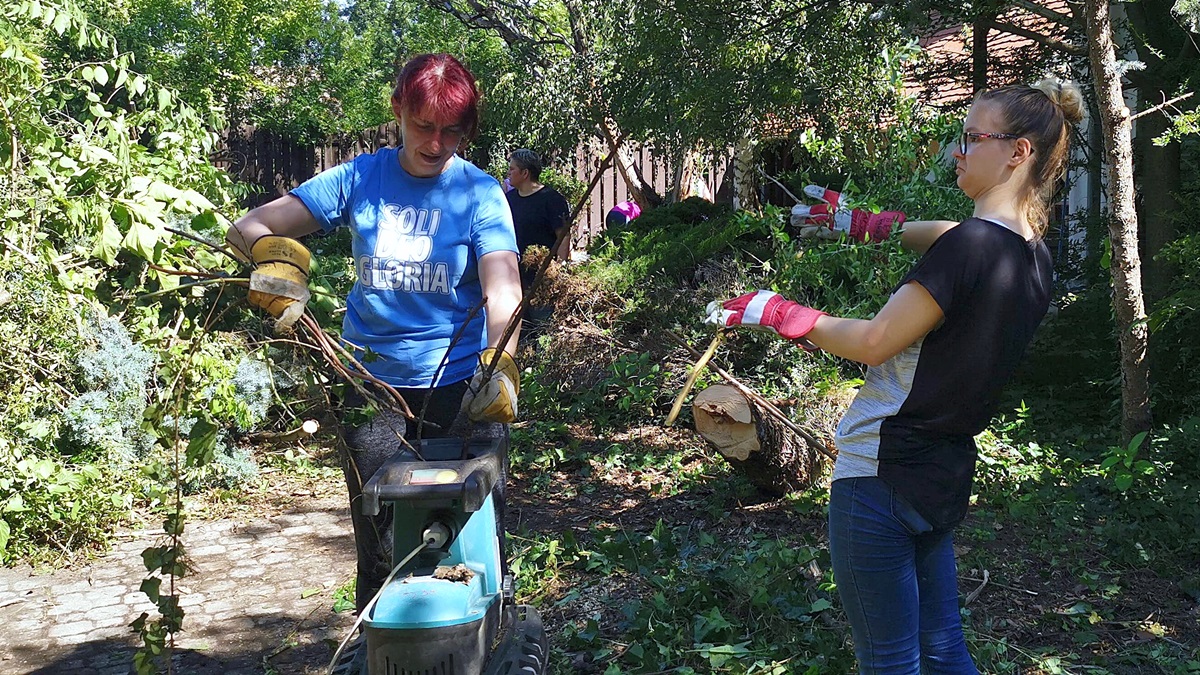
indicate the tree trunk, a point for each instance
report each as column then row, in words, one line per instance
column 642, row 192
column 1094, row 240
column 1126, row 267
column 979, row 53
column 745, row 196
column 773, row 458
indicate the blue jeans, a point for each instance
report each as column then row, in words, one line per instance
column 897, row 581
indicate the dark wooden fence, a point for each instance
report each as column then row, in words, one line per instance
column 276, row 165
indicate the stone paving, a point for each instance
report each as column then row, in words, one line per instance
column 259, row 600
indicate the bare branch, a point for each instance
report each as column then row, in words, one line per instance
column 1160, row 106
column 1053, row 43
column 514, row 30
column 1064, row 20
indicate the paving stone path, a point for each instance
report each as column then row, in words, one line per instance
column 259, row 600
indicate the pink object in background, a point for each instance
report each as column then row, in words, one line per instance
column 629, row 209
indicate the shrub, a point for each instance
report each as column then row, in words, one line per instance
column 114, row 372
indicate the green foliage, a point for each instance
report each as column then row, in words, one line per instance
column 114, row 373
column 845, row 279
column 1122, row 465
column 1174, row 324
column 47, row 501
column 709, row 72
column 636, row 382
column 304, row 76
column 669, row 240
column 706, row 605
column 567, row 185
column 99, row 166
column 1189, row 12
column 901, row 165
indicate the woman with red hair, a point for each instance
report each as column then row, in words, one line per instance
column 432, row 237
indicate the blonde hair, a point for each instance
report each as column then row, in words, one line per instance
column 1041, row 113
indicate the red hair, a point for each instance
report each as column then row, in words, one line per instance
column 440, row 87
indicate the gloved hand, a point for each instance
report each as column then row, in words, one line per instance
column 279, row 282
column 830, row 219
column 493, row 399
column 766, row 310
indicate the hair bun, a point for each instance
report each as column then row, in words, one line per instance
column 1066, row 95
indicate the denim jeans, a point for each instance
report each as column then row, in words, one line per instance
column 897, row 581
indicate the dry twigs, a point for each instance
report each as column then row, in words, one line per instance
column 303, row 431
column 979, row 589
column 519, row 313
column 338, row 358
column 760, row 401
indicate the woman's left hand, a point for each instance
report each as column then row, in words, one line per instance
column 765, row 309
column 493, row 398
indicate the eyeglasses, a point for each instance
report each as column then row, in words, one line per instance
column 969, row 137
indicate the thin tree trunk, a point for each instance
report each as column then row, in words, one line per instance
column 642, row 193
column 745, row 196
column 1132, row 332
column 979, row 53
column 1093, row 239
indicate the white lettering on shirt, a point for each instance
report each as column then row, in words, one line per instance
column 403, row 245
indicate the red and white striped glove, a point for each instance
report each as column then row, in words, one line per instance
column 830, row 219
column 769, row 311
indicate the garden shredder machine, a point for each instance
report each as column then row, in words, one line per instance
column 447, row 607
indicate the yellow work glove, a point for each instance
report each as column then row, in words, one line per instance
column 279, row 282
column 493, row 399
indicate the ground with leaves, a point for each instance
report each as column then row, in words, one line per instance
column 645, row 553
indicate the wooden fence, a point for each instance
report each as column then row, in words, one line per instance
column 276, row 165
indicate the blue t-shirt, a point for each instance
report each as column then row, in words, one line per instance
column 417, row 244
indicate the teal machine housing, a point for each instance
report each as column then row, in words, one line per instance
column 449, row 610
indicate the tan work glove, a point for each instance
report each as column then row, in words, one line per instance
column 493, row 399
column 279, row 282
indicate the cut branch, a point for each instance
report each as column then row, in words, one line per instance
column 761, row 401
column 1162, row 105
column 758, row 445
column 303, row 431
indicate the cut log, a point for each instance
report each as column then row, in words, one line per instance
column 762, row 448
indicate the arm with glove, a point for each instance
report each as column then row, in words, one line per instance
column 909, row 314
column 832, row 218
column 266, row 237
column 492, row 396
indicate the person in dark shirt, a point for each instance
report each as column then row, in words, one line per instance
column 938, row 354
column 539, row 212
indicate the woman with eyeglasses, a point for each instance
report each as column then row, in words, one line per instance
column 938, row 353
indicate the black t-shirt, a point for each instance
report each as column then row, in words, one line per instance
column 914, row 420
column 537, row 216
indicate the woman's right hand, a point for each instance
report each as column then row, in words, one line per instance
column 279, row 282
column 493, row 398
column 266, row 237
